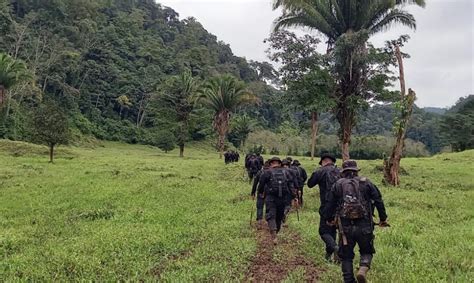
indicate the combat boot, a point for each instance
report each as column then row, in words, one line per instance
column 361, row 275
column 260, row 224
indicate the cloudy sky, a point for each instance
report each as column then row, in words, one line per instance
column 441, row 67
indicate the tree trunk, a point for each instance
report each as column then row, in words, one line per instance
column 398, row 55
column 314, row 132
column 392, row 165
column 346, row 138
column 51, row 153
column 181, row 150
column 221, row 124
column 2, row 95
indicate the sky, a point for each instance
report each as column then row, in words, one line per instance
column 441, row 67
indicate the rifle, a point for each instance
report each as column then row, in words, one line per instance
column 251, row 214
column 298, row 213
column 297, row 209
column 341, row 231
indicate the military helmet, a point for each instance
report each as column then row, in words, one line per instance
column 350, row 165
column 286, row 162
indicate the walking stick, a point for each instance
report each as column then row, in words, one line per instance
column 251, row 214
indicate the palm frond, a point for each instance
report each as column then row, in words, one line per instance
column 393, row 17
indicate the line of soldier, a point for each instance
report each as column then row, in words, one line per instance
column 347, row 207
column 231, row 156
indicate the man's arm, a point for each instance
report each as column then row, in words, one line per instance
column 255, row 183
column 304, row 175
column 263, row 180
column 376, row 197
column 315, row 178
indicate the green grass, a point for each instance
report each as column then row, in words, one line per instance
column 122, row 212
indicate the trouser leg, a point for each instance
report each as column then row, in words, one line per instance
column 328, row 235
column 365, row 240
column 347, row 271
column 287, row 207
column 280, row 214
column 271, row 215
column 300, row 196
column 260, row 206
column 346, row 254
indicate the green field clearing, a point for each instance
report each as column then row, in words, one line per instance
column 129, row 212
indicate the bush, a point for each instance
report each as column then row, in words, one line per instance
column 164, row 140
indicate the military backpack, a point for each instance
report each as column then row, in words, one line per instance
column 353, row 203
column 279, row 182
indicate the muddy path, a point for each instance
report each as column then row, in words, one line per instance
column 274, row 263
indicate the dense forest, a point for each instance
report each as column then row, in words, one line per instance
column 115, row 70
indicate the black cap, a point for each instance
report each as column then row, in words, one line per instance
column 296, row 163
column 349, row 165
column 327, row 155
column 285, row 162
column 273, row 159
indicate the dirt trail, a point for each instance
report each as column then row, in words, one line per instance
column 274, row 263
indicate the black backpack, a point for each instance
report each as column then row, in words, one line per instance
column 254, row 165
column 332, row 176
column 353, row 204
column 298, row 174
column 278, row 182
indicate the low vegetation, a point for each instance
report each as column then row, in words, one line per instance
column 130, row 212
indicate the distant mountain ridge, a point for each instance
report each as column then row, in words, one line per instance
column 435, row 110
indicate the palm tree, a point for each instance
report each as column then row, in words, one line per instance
column 241, row 127
column 223, row 94
column 12, row 72
column 178, row 96
column 345, row 19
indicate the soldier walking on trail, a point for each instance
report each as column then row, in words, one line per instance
column 260, row 197
column 350, row 207
column 301, row 179
column 253, row 165
column 294, row 187
column 276, row 184
column 326, row 176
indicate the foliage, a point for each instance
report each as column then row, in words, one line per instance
column 347, row 25
column 105, row 60
column 308, row 83
column 223, row 94
column 164, row 140
column 12, row 72
column 458, row 125
column 177, row 101
column 51, row 126
column 240, row 127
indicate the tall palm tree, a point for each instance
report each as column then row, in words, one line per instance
column 223, row 94
column 12, row 72
column 344, row 19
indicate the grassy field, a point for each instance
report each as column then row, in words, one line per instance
column 122, row 212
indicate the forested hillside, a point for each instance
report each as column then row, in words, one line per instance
column 107, row 63
column 104, row 62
